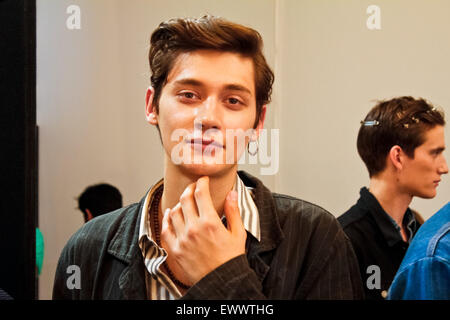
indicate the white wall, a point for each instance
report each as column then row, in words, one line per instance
column 329, row 68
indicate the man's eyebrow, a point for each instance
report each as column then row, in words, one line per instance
column 438, row 149
column 237, row 87
column 188, row 81
column 197, row 83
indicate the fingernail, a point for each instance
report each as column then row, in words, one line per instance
column 233, row 195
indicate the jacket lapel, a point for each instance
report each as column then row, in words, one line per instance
column 255, row 262
column 132, row 281
column 125, row 247
column 259, row 254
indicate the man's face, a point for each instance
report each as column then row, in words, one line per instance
column 207, row 93
column 421, row 174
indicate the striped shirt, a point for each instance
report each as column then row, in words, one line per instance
column 159, row 285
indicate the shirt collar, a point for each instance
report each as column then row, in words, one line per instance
column 387, row 225
column 409, row 222
column 144, row 225
column 247, row 208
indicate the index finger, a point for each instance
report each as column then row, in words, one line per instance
column 188, row 206
column 203, row 198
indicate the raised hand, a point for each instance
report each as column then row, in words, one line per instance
column 194, row 236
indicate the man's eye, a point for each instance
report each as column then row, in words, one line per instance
column 234, row 101
column 188, row 95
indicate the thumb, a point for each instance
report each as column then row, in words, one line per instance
column 234, row 221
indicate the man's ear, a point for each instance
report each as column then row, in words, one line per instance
column 260, row 125
column 150, row 110
column 89, row 215
column 396, row 157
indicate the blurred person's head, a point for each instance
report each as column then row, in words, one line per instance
column 99, row 199
column 404, row 138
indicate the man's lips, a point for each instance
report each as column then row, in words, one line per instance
column 204, row 143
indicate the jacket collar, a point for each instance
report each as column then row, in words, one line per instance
column 385, row 223
column 271, row 233
column 124, row 243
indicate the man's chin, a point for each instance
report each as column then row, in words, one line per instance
column 427, row 195
column 205, row 169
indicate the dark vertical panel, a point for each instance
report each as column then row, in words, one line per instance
column 18, row 172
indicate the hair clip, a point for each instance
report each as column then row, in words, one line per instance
column 370, row 123
column 433, row 109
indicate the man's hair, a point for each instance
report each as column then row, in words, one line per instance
column 99, row 199
column 401, row 121
column 182, row 35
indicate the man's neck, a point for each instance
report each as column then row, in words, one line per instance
column 393, row 201
column 176, row 181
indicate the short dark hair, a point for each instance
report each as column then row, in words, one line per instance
column 181, row 35
column 401, row 121
column 99, row 199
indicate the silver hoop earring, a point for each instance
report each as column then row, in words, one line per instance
column 256, row 150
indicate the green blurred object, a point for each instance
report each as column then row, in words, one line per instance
column 39, row 250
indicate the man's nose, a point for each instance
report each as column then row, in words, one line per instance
column 208, row 115
column 443, row 168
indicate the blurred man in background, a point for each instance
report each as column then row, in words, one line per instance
column 99, row 199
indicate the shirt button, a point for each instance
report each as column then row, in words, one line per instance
column 384, row 294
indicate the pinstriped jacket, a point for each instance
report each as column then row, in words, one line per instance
column 303, row 254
